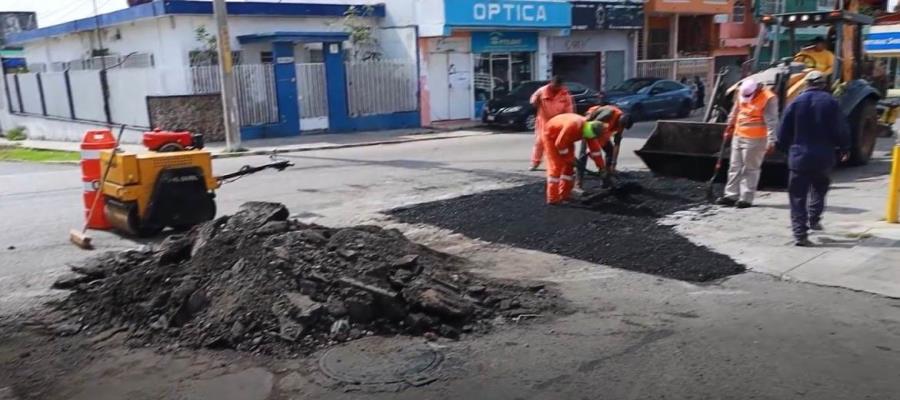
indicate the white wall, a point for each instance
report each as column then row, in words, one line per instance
column 31, row 96
column 55, row 95
column 86, row 89
column 170, row 39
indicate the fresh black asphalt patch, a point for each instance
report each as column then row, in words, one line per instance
column 620, row 230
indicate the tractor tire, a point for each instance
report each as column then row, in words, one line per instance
column 864, row 132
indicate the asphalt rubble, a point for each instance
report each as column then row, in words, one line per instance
column 257, row 281
column 621, row 227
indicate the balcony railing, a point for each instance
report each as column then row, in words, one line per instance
column 676, row 68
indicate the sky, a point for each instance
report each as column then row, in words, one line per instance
column 52, row 12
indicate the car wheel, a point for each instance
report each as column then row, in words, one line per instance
column 530, row 122
column 684, row 110
column 864, row 123
column 637, row 113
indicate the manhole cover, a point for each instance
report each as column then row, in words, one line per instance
column 377, row 361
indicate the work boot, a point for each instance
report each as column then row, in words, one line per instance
column 804, row 242
column 816, row 226
column 725, row 201
column 534, row 167
column 743, row 204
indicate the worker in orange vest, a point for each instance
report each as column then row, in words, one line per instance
column 559, row 137
column 617, row 121
column 752, row 124
column 549, row 101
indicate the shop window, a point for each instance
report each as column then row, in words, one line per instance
column 827, row 4
column 496, row 74
column 737, row 13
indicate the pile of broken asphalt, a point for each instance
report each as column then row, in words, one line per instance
column 258, row 281
column 616, row 228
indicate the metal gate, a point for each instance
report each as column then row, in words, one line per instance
column 311, row 90
column 381, row 87
column 257, row 99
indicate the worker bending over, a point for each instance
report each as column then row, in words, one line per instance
column 752, row 124
column 617, row 121
column 817, row 56
column 559, row 137
column 549, row 101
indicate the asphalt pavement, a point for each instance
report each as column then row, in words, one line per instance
column 631, row 336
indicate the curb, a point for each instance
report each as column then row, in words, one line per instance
column 298, row 149
column 340, row 146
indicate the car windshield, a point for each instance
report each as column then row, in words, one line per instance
column 526, row 89
column 632, row 85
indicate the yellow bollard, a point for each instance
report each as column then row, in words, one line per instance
column 893, row 202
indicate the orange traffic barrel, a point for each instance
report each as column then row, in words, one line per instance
column 91, row 145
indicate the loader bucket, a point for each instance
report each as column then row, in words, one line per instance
column 686, row 149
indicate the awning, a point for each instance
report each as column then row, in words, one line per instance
column 294, row 37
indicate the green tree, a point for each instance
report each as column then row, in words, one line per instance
column 365, row 45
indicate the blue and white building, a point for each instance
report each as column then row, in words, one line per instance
column 296, row 70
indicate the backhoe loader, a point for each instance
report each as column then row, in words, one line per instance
column 689, row 149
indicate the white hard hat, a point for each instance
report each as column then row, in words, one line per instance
column 815, row 78
column 748, row 88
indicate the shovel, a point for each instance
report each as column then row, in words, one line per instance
column 709, row 185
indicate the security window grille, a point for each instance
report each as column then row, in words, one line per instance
column 737, row 13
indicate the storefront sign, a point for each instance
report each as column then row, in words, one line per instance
column 512, row 13
column 451, row 44
column 590, row 42
column 615, row 15
column 883, row 42
column 504, row 42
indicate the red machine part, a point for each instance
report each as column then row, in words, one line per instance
column 159, row 140
column 91, row 144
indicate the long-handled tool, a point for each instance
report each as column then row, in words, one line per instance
column 712, row 179
column 81, row 238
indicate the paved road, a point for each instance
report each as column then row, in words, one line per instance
column 632, row 336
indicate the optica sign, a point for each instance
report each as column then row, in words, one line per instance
column 517, row 13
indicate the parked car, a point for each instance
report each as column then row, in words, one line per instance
column 646, row 98
column 514, row 109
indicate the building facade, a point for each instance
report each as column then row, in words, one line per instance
column 297, row 68
column 471, row 51
column 681, row 37
column 601, row 51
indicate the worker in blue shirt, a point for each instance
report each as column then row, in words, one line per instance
column 813, row 131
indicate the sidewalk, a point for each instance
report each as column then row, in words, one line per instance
column 292, row 144
column 857, row 250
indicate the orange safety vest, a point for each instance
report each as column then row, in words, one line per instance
column 751, row 119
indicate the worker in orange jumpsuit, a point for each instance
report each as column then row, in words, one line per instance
column 617, row 121
column 549, row 101
column 559, row 136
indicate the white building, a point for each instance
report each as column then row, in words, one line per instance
column 154, row 45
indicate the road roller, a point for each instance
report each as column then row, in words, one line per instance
column 170, row 186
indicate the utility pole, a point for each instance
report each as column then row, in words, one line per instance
column 226, row 79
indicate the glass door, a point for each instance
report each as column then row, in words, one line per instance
column 496, row 74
